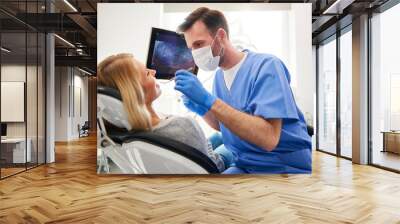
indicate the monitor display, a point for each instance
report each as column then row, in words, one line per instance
column 168, row 53
column 3, row 129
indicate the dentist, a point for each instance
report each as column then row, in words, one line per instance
column 251, row 104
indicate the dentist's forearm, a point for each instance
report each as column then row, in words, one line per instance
column 254, row 129
column 211, row 120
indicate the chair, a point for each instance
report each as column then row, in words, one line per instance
column 84, row 130
column 141, row 152
column 310, row 130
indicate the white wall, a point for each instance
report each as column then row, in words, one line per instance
column 303, row 77
column 61, row 103
column 314, row 115
column 126, row 28
column 66, row 119
column 17, row 73
column 33, row 126
column 80, row 83
column 282, row 29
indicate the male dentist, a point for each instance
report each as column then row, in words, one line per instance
column 251, row 104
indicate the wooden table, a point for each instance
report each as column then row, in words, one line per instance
column 391, row 141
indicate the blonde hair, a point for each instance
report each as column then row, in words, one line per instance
column 120, row 72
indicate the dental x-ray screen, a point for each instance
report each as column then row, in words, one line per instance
column 168, row 53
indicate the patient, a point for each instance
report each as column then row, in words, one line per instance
column 138, row 88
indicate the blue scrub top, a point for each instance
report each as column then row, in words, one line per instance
column 262, row 88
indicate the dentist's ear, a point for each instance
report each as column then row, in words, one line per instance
column 221, row 34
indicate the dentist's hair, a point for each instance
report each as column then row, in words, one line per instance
column 213, row 19
column 120, row 72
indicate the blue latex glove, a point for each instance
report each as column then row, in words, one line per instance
column 194, row 107
column 188, row 84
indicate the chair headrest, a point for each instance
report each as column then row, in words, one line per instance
column 108, row 91
column 109, row 102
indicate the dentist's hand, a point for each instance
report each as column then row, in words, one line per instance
column 188, row 84
column 194, row 107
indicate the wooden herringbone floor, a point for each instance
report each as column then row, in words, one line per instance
column 70, row 191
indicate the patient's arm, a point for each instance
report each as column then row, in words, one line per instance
column 188, row 131
column 211, row 120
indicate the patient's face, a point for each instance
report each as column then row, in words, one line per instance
column 149, row 84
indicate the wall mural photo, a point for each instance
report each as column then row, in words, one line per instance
column 202, row 89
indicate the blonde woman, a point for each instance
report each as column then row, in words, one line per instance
column 138, row 88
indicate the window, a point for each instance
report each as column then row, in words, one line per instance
column 346, row 94
column 22, row 76
column 15, row 150
column 327, row 97
column 385, row 89
column 394, row 102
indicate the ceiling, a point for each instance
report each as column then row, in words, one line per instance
column 76, row 22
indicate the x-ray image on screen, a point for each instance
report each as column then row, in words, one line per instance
column 168, row 53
